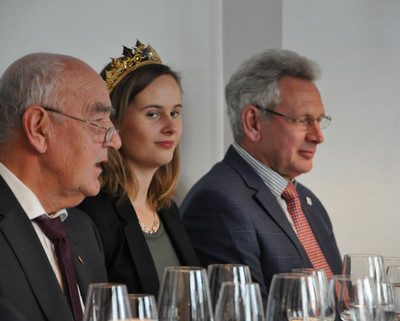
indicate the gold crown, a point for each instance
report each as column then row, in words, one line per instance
column 131, row 60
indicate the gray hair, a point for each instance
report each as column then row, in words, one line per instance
column 257, row 82
column 31, row 80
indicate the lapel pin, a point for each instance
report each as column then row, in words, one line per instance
column 80, row 260
column 308, row 200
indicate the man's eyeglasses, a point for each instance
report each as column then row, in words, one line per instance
column 304, row 123
column 110, row 132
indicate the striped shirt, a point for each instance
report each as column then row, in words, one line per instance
column 274, row 181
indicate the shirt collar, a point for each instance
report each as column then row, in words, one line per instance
column 26, row 198
column 272, row 179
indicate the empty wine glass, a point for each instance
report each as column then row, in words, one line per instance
column 393, row 277
column 385, row 299
column 254, row 301
column 107, row 302
column 239, row 302
column 356, row 297
column 365, row 264
column 184, row 295
column 328, row 300
column 143, row 307
column 389, row 261
column 294, row 296
column 219, row 273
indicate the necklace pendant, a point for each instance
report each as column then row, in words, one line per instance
column 153, row 229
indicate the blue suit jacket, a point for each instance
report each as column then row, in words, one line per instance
column 231, row 216
column 27, row 280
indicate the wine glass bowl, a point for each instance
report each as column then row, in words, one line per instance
column 143, row 307
column 294, row 296
column 328, row 300
column 239, row 302
column 184, row 295
column 107, row 302
column 356, row 297
column 371, row 265
column 220, row 273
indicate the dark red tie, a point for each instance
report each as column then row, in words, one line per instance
column 304, row 232
column 55, row 231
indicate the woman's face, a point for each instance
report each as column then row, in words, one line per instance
column 152, row 126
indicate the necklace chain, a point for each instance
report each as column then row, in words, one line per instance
column 152, row 229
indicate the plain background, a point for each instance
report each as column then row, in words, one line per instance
column 356, row 43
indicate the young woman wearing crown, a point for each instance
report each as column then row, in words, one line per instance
column 138, row 221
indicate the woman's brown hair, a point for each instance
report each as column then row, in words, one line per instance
column 117, row 179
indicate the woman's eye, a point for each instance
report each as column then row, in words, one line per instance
column 152, row 114
column 175, row 113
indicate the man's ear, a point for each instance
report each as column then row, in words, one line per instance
column 251, row 123
column 35, row 122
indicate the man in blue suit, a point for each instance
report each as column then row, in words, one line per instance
column 55, row 132
column 236, row 213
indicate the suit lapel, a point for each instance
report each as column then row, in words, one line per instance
column 23, row 240
column 138, row 248
column 265, row 198
column 83, row 275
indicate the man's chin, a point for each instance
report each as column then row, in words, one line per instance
column 91, row 190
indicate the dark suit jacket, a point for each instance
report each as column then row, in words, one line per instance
column 27, row 279
column 128, row 258
column 231, row 216
column 8, row 312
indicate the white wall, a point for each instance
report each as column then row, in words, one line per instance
column 185, row 33
column 357, row 169
column 356, row 43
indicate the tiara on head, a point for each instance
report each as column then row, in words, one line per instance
column 131, row 60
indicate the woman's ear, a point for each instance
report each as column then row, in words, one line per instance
column 251, row 123
column 35, row 122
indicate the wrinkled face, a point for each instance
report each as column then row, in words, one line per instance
column 152, row 126
column 283, row 147
column 77, row 149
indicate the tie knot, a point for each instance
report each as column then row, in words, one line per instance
column 290, row 192
column 53, row 228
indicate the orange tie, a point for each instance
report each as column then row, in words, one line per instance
column 303, row 229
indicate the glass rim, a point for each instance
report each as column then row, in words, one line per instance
column 291, row 275
column 227, row 265
column 363, row 255
column 179, row 268
column 106, row 285
column 140, row 295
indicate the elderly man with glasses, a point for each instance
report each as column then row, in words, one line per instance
column 55, row 133
column 249, row 208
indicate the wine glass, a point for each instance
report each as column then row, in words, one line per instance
column 184, row 295
column 143, row 307
column 389, row 261
column 219, row 273
column 239, row 302
column 107, row 302
column 385, row 299
column 393, row 277
column 328, row 300
column 294, row 296
column 365, row 264
column 356, row 297
column 254, row 301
